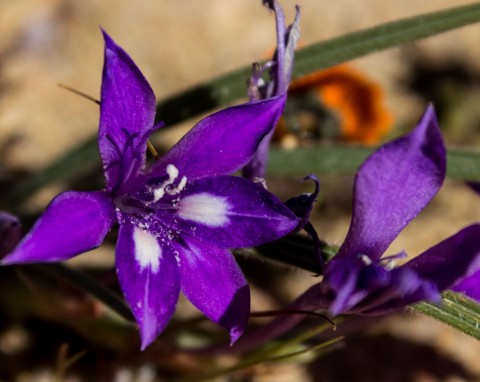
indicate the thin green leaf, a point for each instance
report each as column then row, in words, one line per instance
column 384, row 36
column 457, row 311
column 461, row 164
column 279, row 352
column 229, row 87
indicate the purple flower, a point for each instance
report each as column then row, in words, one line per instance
column 281, row 68
column 178, row 215
column 391, row 187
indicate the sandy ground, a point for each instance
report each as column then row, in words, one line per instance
column 181, row 43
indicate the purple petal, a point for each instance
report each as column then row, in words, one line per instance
column 10, row 232
column 470, row 286
column 403, row 286
column 340, row 282
column 286, row 43
column 231, row 212
column 257, row 167
column 149, row 278
column 127, row 113
column 392, row 186
column 214, row 283
column 452, row 260
column 73, row 223
column 223, row 142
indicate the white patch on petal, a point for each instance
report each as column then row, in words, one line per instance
column 204, row 208
column 147, row 250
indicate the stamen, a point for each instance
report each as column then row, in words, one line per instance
column 167, row 186
column 178, row 188
column 152, row 150
column 365, row 259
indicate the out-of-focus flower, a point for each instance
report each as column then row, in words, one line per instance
column 10, row 232
column 178, row 215
column 338, row 103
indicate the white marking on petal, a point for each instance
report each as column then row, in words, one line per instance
column 147, row 250
column 204, row 208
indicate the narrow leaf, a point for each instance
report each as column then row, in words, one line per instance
column 229, row 87
column 457, row 311
column 461, row 164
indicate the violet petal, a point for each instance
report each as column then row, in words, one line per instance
column 149, row 277
column 214, row 284
column 392, row 186
column 127, row 113
column 451, row 260
column 470, row 286
column 231, row 212
column 402, row 287
column 223, row 142
column 73, row 223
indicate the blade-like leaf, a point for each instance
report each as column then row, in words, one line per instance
column 344, row 160
column 231, row 86
column 461, row 164
column 457, row 311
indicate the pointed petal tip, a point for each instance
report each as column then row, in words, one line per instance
column 106, row 37
column 9, row 260
column 147, row 338
column 235, row 334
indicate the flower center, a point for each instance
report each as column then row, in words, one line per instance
column 168, row 186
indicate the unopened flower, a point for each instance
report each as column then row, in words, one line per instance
column 178, row 215
column 280, row 70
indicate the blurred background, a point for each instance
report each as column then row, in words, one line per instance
column 44, row 322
